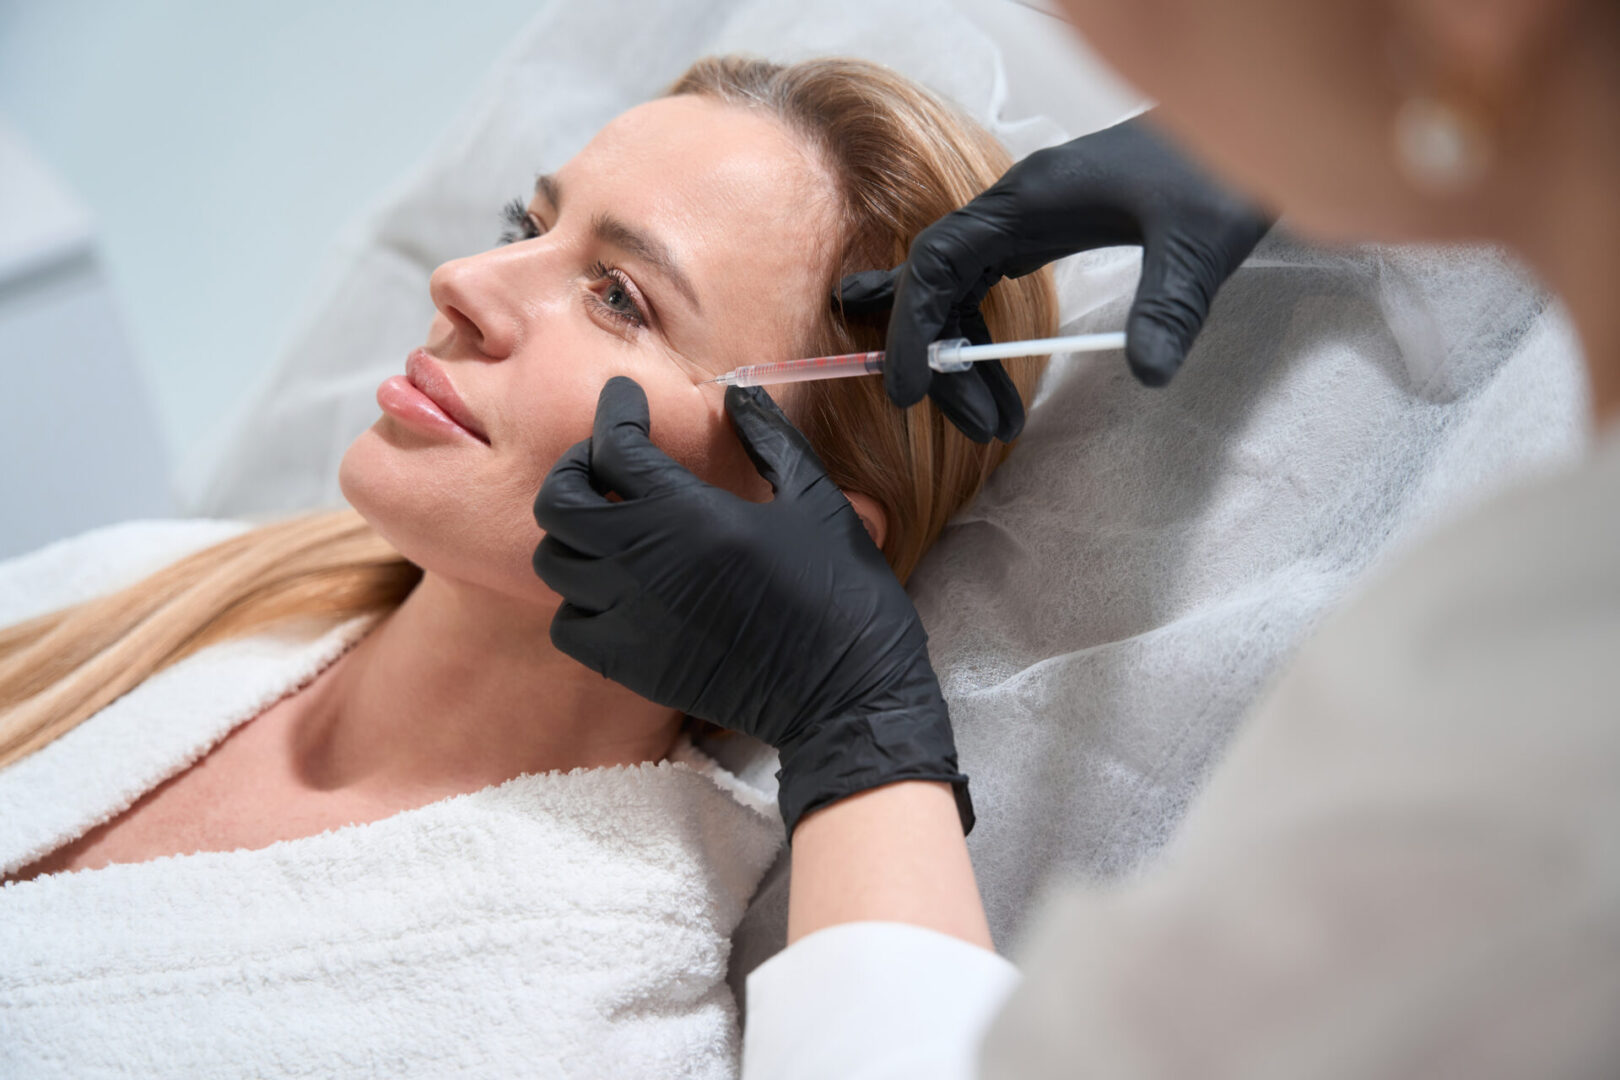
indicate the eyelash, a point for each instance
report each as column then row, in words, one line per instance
column 635, row 316
column 521, row 226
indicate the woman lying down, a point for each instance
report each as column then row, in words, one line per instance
column 320, row 796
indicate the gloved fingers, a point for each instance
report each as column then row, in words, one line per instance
column 1009, row 406
column 917, row 321
column 778, row 450
column 592, row 638
column 623, row 457
column 981, row 402
column 866, row 292
column 970, row 324
column 570, row 496
column 967, row 403
column 1190, row 246
column 588, row 584
column 947, row 262
column 963, row 397
column 1172, row 301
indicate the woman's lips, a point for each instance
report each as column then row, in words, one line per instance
column 425, row 399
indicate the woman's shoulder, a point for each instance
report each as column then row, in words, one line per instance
column 92, row 563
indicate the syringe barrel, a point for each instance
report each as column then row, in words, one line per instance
column 942, row 355
column 809, row 369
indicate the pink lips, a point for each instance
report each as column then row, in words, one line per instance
column 425, row 399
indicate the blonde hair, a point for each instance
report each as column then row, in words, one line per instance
column 901, row 158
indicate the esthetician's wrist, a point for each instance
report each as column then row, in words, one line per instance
column 865, row 749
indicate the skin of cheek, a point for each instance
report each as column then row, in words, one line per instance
column 466, row 511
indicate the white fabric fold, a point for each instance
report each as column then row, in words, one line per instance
column 567, row 924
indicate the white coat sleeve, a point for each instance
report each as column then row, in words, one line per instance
column 872, row 1001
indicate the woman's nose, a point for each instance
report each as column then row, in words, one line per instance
column 480, row 302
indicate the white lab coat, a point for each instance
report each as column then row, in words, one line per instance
column 1407, row 865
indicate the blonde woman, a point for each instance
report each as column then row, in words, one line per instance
column 322, row 795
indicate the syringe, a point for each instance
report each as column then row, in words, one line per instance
column 948, row 356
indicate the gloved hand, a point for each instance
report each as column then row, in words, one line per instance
column 1122, row 185
column 778, row 619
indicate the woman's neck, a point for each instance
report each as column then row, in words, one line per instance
column 459, row 688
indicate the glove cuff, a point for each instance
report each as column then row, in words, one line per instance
column 851, row 754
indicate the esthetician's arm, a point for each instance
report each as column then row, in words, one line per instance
column 782, row 620
column 888, row 971
column 1405, row 865
column 892, row 854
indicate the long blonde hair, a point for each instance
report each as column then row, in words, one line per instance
column 902, row 158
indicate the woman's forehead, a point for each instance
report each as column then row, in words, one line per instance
column 705, row 153
column 736, row 197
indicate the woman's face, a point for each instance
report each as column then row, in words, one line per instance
column 687, row 238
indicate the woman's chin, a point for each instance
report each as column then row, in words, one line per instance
column 421, row 505
column 378, row 481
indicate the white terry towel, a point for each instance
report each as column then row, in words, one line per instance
column 555, row 925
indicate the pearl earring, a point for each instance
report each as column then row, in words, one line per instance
column 1441, row 148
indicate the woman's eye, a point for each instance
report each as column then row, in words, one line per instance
column 619, row 300
column 519, row 223
column 612, row 291
column 616, row 295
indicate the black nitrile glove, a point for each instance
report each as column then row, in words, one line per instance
column 1122, row 185
column 778, row 619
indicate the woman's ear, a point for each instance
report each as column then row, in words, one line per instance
column 871, row 514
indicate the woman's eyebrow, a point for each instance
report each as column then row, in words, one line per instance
column 545, row 186
column 644, row 246
column 648, row 248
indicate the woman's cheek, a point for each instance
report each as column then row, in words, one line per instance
column 682, row 419
column 687, row 420
column 699, row 435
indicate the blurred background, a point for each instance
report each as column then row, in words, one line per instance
column 172, row 173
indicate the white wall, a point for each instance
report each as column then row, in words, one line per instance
column 220, row 146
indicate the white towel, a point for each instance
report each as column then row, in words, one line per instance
column 555, row 925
